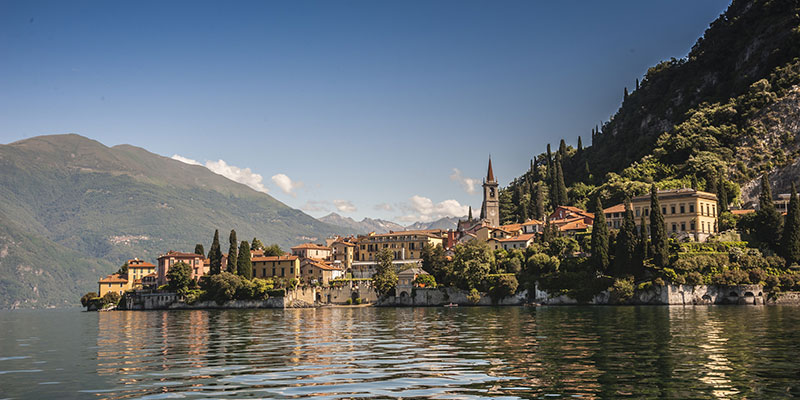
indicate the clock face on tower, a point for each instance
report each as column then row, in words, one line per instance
column 491, row 212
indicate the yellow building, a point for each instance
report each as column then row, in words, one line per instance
column 113, row 283
column 311, row 250
column 318, row 270
column 404, row 245
column 688, row 213
column 276, row 267
column 344, row 252
column 138, row 269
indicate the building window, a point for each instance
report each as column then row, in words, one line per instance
column 703, row 226
column 714, row 210
column 683, row 209
column 664, row 210
column 646, row 212
column 683, row 226
column 283, row 271
column 691, row 208
column 691, row 226
column 674, row 227
column 637, row 211
column 672, row 209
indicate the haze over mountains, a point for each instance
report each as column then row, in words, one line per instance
column 72, row 210
column 367, row 225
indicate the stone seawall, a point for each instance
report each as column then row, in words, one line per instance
column 425, row 297
column 684, row 295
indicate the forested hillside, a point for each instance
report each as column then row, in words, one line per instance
column 72, row 209
column 715, row 120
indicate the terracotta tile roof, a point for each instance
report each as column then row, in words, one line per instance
column 615, row 209
column 559, row 222
column 511, row 227
column 743, row 212
column 573, row 226
column 113, row 278
column 139, row 264
column 345, row 244
column 310, row 246
column 178, row 254
column 520, row 238
column 274, row 258
column 321, row 265
column 533, row 222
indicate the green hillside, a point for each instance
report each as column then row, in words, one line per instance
column 71, row 207
column 721, row 117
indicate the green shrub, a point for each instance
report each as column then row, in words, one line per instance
column 503, row 286
column 111, row 298
column 349, row 302
column 474, row 296
column 87, row 298
column 694, row 278
column 276, row 293
column 358, row 300
column 622, row 290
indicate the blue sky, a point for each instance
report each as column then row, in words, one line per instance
column 366, row 108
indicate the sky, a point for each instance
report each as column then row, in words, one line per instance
column 381, row 109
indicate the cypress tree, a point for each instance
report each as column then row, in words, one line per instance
column 641, row 249
column 538, row 203
column 560, row 187
column 599, row 239
column 198, row 249
column 231, row 268
column 547, row 235
column 580, row 146
column 516, row 200
column 244, row 266
column 658, row 232
column 215, row 256
column 469, row 216
column 586, row 172
column 626, row 243
column 768, row 220
column 562, row 149
column 722, row 196
column 637, row 83
column 711, row 184
column 791, row 230
column 695, row 185
column 625, row 94
column 549, row 166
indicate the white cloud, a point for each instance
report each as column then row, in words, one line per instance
column 383, row 207
column 468, row 184
column 315, row 206
column 345, row 206
column 185, row 160
column 286, row 184
column 425, row 210
column 234, row 173
column 242, row 175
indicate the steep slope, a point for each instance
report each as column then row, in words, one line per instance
column 111, row 204
column 729, row 110
column 442, row 223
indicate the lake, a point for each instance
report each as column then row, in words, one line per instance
column 466, row 352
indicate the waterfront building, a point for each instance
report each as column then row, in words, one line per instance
column 344, row 252
column 404, row 245
column 286, row 266
column 196, row 262
column 514, row 242
column 405, row 280
column 311, row 250
column 117, row 283
column 319, row 271
column 688, row 213
column 137, row 269
column 614, row 215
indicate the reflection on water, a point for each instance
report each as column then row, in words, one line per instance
column 590, row 352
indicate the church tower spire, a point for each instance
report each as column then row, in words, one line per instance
column 490, row 209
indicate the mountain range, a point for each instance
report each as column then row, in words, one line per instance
column 367, row 225
column 73, row 210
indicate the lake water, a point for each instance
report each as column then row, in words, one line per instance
column 480, row 352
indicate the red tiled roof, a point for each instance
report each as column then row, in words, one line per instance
column 520, row 238
column 113, row 278
column 573, row 226
column 743, row 212
column 178, row 254
column 511, row 227
column 274, row 258
column 139, row 264
column 533, row 222
column 310, row 246
column 615, row 209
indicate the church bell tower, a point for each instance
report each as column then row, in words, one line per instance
column 490, row 210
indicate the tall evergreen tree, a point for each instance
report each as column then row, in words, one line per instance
column 626, row 243
column 549, row 172
column 516, row 201
column 244, row 265
column 599, row 239
column 658, row 231
column 256, row 244
column 547, row 233
column 695, row 185
column 198, row 249
column 562, row 149
column 640, row 255
column 580, row 146
column 768, row 220
column 560, row 187
column 538, row 203
column 637, row 83
column 722, row 195
column 215, row 255
column 791, row 230
column 232, row 249
column 469, row 216
column 625, row 94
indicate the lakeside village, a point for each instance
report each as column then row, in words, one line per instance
column 663, row 248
